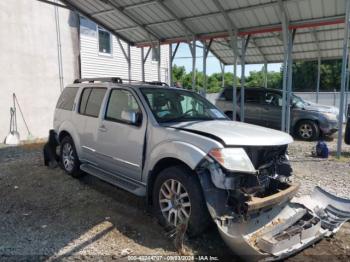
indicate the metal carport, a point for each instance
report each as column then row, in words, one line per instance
column 240, row 31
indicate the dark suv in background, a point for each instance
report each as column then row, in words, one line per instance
column 264, row 107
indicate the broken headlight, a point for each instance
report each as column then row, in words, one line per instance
column 234, row 159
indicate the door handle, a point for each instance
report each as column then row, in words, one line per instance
column 102, row 128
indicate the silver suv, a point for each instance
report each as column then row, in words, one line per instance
column 191, row 162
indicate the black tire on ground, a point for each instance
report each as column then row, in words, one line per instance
column 199, row 218
column 347, row 132
column 307, row 130
column 74, row 170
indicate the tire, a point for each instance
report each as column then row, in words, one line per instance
column 69, row 158
column 307, row 130
column 198, row 215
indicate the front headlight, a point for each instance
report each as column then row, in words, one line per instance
column 234, row 159
column 331, row 116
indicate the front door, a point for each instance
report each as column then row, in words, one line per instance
column 272, row 109
column 120, row 142
column 252, row 106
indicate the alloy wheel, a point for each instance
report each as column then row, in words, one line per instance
column 174, row 201
column 305, row 131
column 68, row 157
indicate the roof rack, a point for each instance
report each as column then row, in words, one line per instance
column 100, row 79
column 157, row 83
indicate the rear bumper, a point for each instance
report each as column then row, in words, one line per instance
column 285, row 228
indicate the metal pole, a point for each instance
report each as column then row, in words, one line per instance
column 244, row 49
column 129, row 63
column 285, row 72
column 318, row 78
column 159, row 63
column 194, row 65
column 170, row 65
column 204, row 69
column 142, row 64
column 59, row 48
column 343, row 78
column 234, row 90
column 223, row 75
column 290, row 80
column 234, row 47
column 265, row 75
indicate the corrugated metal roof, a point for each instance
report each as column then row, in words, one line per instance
column 318, row 23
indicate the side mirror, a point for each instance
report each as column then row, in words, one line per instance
column 132, row 117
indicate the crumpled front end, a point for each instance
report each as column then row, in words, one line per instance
column 258, row 215
column 288, row 228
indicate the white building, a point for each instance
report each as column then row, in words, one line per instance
column 42, row 51
column 101, row 55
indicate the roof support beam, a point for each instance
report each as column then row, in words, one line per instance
column 310, row 23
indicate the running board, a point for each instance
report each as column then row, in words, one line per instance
column 114, row 179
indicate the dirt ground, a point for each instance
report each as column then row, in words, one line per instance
column 48, row 215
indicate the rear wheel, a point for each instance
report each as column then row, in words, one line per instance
column 307, row 130
column 69, row 158
column 178, row 199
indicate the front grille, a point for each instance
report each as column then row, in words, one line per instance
column 264, row 155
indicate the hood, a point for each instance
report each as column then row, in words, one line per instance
column 233, row 133
column 321, row 108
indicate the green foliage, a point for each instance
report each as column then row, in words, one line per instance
column 304, row 77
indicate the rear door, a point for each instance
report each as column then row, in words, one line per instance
column 89, row 110
column 120, row 143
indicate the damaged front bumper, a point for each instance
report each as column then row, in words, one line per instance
column 264, row 220
column 285, row 228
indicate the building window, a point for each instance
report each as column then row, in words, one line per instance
column 155, row 53
column 104, row 41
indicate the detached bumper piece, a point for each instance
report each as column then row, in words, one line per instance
column 285, row 229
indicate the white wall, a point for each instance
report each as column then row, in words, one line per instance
column 29, row 62
column 94, row 64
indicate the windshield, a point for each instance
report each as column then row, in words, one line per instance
column 175, row 105
column 298, row 101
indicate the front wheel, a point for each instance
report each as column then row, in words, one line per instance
column 178, row 198
column 69, row 157
column 307, row 130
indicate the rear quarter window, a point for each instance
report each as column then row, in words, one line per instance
column 67, row 97
column 91, row 100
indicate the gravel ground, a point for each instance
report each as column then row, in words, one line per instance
column 47, row 215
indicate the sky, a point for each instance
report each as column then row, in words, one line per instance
column 183, row 58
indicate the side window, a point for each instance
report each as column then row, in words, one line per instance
column 120, row 102
column 91, row 100
column 67, row 98
column 273, row 99
column 252, row 97
column 227, row 94
column 104, row 41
